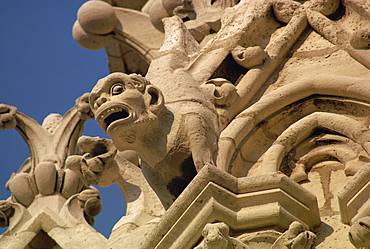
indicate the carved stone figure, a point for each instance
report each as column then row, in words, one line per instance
column 359, row 233
column 101, row 164
column 249, row 121
column 98, row 154
column 175, row 139
column 216, row 236
column 200, row 17
column 295, row 237
column 254, row 72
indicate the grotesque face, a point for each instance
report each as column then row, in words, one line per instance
column 215, row 235
column 122, row 102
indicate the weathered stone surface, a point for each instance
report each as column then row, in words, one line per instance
column 249, row 123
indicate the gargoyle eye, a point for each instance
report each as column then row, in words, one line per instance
column 117, row 89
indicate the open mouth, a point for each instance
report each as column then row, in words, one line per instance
column 110, row 115
column 115, row 116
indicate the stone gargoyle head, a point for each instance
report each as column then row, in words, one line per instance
column 119, row 101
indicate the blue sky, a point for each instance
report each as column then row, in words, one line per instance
column 43, row 70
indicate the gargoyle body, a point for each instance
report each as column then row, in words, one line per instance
column 174, row 130
column 174, row 124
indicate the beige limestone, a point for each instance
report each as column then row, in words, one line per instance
column 249, row 121
column 180, row 135
column 49, row 203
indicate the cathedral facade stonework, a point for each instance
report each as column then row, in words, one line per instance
column 233, row 124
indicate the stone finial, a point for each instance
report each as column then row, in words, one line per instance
column 95, row 21
column 97, row 17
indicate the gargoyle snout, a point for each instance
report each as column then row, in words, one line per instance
column 100, row 101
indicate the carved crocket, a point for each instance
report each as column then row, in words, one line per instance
column 174, row 139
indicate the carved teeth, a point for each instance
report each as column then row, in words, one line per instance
column 109, row 111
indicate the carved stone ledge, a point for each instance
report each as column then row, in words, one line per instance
column 56, row 223
column 353, row 198
column 131, row 43
column 257, row 202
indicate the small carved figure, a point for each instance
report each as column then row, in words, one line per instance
column 216, row 236
column 359, row 233
column 296, row 237
column 201, row 17
column 96, row 165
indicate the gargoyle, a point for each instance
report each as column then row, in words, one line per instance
column 174, row 139
column 174, row 124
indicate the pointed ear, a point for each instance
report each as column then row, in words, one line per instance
column 139, row 81
column 157, row 100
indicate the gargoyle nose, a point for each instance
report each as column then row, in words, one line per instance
column 101, row 100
